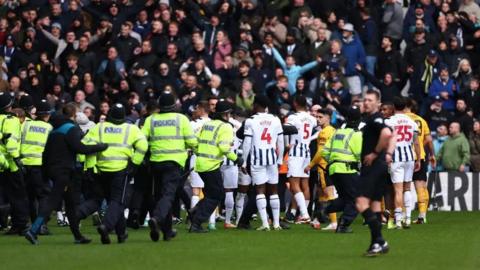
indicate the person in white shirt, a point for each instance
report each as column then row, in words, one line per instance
column 403, row 164
column 264, row 142
column 299, row 156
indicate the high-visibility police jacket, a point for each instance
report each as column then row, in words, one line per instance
column 10, row 144
column 323, row 136
column 343, row 150
column 169, row 136
column 3, row 160
column 215, row 140
column 125, row 141
column 33, row 139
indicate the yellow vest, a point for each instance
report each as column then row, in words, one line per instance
column 10, row 126
column 169, row 136
column 215, row 140
column 342, row 150
column 33, row 139
column 125, row 142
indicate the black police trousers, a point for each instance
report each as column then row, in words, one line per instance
column 63, row 189
column 15, row 191
column 214, row 195
column 37, row 189
column 346, row 186
column 111, row 186
column 167, row 178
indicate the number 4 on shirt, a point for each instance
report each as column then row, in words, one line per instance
column 266, row 136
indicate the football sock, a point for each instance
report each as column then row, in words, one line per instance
column 239, row 202
column 301, row 204
column 398, row 215
column 293, row 211
column 374, row 225
column 262, row 209
column 213, row 217
column 275, row 205
column 195, row 199
column 407, row 201
column 229, row 204
column 422, row 201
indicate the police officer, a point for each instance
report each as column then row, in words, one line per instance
column 169, row 135
column 342, row 152
column 34, row 134
column 59, row 158
column 215, row 141
column 113, row 170
column 12, row 178
column 377, row 148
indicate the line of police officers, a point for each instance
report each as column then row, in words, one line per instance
column 34, row 152
column 114, row 150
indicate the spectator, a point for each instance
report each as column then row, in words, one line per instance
column 387, row 87
column 354, row 53
column 221, row 49
column 472, row 96
column 455, row 152
column 272, row 25
column 471, row 8
column 369, row 36
column 244, row 99
column 474, row 140
column 321, row 45
column 440, row 138
column 436, row 114
column 393, row 21
column 292, row 71
column 463, row 117
column 444, row 87
column 463, row 75
column 112, row 69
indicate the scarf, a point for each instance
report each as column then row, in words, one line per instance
column 427, row 76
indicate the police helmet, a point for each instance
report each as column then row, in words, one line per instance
column 117, row 113
column 6, row 100
column 223, row 106
column 26, row 102
column 43, row 108
column 166, row 102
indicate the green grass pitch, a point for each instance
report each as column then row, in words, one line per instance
column 449, row 241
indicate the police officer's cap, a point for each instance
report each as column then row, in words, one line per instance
column 353, row 114
column 223, row 106
column 166, row 101
column 43, row 107
column 261, row 100
column 117, row 112
column 26, row 102
column 6, row 100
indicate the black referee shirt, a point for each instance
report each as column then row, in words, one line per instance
column 371, row 132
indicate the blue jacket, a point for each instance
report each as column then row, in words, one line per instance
column 294, row 72
column 437, row 87
column 354, row 52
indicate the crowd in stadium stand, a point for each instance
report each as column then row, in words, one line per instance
column 97, row 53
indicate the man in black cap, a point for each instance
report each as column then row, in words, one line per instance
column 342, row 152
column 11, row 178
column 58, row 160
column 215, row 140
column 169, row 136
column 34, row 134
column 114, row 167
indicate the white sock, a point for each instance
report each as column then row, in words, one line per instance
column 213, row 217
column 59, row 215
column 195, row 199
column 275, row 205
column 239, row 201
column 407, row 202
column 398, row 216
column 228, row 206
column 262, row 209
column 301, row 204
column 293, row 211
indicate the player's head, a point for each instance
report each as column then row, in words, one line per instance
column 260, row 103
column 324, row 116
column 411, row 106
column 387, row 109
column 201, row 110
column 300, row 102
column 371, row 101
column 399, row 103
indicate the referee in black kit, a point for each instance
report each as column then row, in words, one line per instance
column 377, row 147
